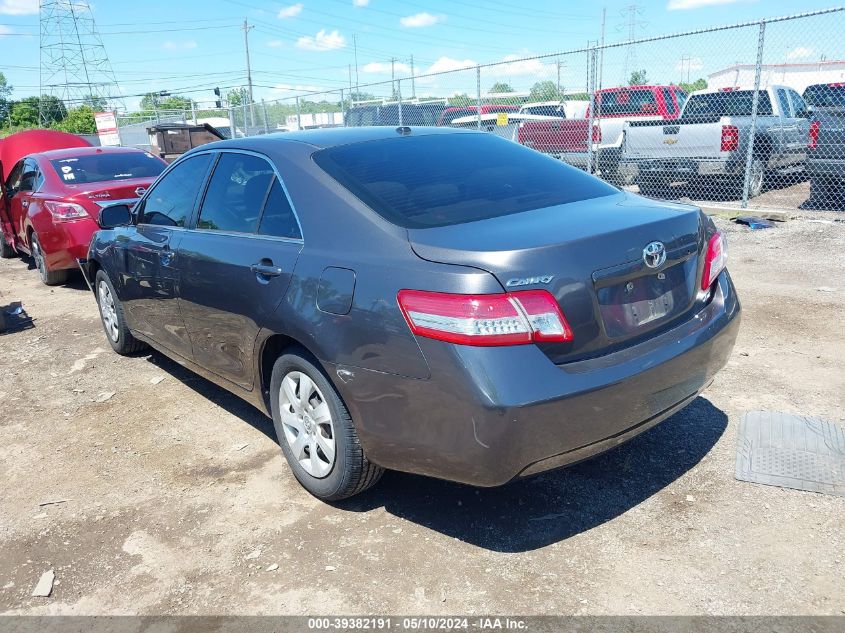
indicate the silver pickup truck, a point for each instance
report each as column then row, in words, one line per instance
column 708, row 144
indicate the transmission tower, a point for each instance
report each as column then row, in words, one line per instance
column 74, row 66
column 633, row 24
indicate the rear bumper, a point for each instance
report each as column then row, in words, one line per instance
column 678, row 169
column 66, row 242
column 829, row 169
column 489, row 415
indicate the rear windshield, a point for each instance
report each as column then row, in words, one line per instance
column 632, row 102
column 825, row 96
column 544, row 110
column 446, row 179
column 736, row 103
column 105, row 166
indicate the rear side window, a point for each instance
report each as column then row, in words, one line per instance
column 670, row 102
column 631, row 102
column 783, row 101
column 445, row 179
column 172, row 199
column 235, row 193
column 278, row 219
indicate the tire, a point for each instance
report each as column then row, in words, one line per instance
column 328, row 477
column 113, row 319
column 6, row 250
column 48, row 277
column 758, row 177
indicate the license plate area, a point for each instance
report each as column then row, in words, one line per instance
column 641, row 301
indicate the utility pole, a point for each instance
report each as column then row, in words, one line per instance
column 413, row 86
column 247, row 28
column 601, row 51
column 392, row 78
column 355, row 48
column 558, row 79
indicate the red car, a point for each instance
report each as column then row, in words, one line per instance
column 52, row 199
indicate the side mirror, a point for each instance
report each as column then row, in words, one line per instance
column 114, row 216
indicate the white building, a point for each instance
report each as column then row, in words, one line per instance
column 795, row 75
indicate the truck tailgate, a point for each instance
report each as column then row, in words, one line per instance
column 673, row 139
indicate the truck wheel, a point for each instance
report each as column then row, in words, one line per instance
column 6, row 250
column 48, row 277
column 757, row 177
column 316, row 432
column 112, row 317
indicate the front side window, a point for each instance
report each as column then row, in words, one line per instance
column 682, row 97
column 14, row 179
column 783, row 100
column 172, row 199
column 235, row 193
column 670, row 102
column 467, row 177
column 278, row 219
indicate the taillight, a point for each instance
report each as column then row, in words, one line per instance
column 813, row 142
column 63, row 211
column 596, row 133
column 513, row 318
column 730, row 138
column 715, row 260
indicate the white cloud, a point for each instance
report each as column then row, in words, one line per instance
column 419, row 20
column 690, row 64
column 322, row 41
column 384, row 68
column 682, row 5
column 799, row 52
column 445, row 64
column 290, row 12
column 360, row 3
column 4, row 30
column 171, row 45
column 275, row 43
column 522, row 67
column 19, row 7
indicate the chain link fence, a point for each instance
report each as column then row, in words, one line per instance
column 747, row 115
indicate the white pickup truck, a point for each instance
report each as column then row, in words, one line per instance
column 708, row 144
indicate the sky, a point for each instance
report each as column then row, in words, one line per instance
column 191, row 46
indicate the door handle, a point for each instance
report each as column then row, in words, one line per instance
column 24, row 203
column 265, row 268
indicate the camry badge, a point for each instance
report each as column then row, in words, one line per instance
column 654, row 254
column 529, row 281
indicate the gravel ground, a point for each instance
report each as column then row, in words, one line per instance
column 149, row 491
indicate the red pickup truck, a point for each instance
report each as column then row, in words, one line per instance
column 567, row 139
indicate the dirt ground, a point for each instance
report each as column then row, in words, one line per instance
column 149, row 491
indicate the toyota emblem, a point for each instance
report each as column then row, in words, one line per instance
column 654, row 254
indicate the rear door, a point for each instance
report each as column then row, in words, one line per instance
column 236, row 263
column 150, row 286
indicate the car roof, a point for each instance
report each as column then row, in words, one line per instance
column 74, row 152
column 330, row 137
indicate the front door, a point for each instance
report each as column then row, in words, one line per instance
column 236, row 263
column 150, row 287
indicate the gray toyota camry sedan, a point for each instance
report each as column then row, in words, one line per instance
column 430, row 300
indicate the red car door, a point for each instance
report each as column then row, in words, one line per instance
column 18, row 193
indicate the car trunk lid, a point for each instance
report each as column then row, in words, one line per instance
column 589, row 255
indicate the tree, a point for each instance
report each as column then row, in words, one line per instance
column 34, row 111
column 544, row 91
column 638, row 78
column 5, row 93
column 154, row 101
column 698, row 84
column 238, row 97
column 461, row 100
column 97, row 104
column 500, row 87
column 78, row 121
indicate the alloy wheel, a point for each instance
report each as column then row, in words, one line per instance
column 38, row 256
column 108, row 312
column 307, row 423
